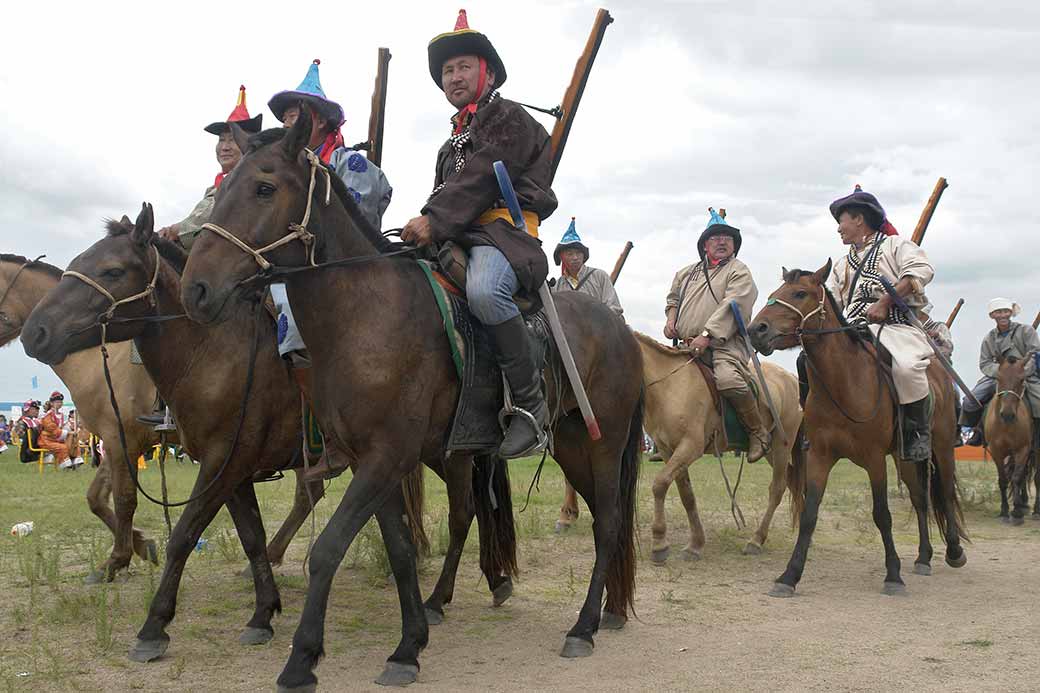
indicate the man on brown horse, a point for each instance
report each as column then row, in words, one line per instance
column 463, row 208
column 1007, row 338
column 576, row 275
column 699, row 314
column 876, row 250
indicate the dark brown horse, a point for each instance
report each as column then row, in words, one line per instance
column 1008, row 430
column 851, row 413
column 385, row 386
column 204, row 387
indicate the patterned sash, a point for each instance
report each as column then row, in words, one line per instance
column 866, row 283
column 458, row 143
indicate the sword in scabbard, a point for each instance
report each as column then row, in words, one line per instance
column 742, row 329
column 513, row 204
column 902, row 307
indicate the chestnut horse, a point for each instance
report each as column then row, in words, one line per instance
column 204, row 388
column 851, row 413
column 684, row 424
column 1008, row 428
column 23, row 284
column 385, row 385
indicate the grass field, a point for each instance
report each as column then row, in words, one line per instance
column 58, row 634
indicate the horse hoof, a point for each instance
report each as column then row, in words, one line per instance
column 256, row 636
column 1005, row 519
column 305, row 688
column 957, row 562
column 1017, row 521
column 95, row 577
column 893, row 589
column 752, row 549
column 1035, row 516
column 922, row 569
column 502, row 593
column 397, row 674
column 609, row 621
column 148, row 650
column 781, row 590
column 659, row 556
column 576, row 647
column 690, row 555
column 562, row 527
column 434, row 618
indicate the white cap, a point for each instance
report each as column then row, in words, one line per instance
column 1003, row 304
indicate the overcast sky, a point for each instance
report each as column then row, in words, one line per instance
column 768, row 109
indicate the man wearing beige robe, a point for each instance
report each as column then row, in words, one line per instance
column 876, row 250
column 699, row 314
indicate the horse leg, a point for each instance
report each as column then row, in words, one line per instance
column 916, row 480
column 569, row 509
column 818, row 469
column 780, row 460
column 1002, row 481
column 948, row 504
column 877, row 471
column 124, row 500
column 97, row 500
column 695, row 549
column 457, row 475
column 1036, row 487
column 1019, row 486
column 245, row 512
column 688, row 450
column 152, row 639
column 301, row 510
column 372, row 484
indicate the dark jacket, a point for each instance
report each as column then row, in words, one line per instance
column 499, row 131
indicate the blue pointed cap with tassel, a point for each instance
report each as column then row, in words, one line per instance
column 717, row 225
column 570, row 239
column 311, row 93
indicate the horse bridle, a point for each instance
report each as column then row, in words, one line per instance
column 18, row 273
column 820, row 309
column 297, row 231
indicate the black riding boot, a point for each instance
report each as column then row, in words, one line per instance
column 514, row 353
column 971, row 419
column 917, row 437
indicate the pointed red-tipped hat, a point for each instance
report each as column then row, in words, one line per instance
column 464, row 41
column 239, row 116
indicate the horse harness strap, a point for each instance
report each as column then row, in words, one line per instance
column 148, row 292
column 296, row 231
column 14, row 279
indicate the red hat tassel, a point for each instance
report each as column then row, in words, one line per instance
column 461, row 22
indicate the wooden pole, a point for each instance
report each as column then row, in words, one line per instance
column 572, row 97
column 929, row 210
column 377, row 114
column 1036, row 321
column 620, row 262
column 954, row 312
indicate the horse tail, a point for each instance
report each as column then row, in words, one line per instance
column 940, row 501
column 621, row 575
column 796, row 475
column 414, row 488
column 494, row 505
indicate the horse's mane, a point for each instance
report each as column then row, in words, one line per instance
column 170, row 251
column 656, row 345
column 115, row 228
column 791, row 276
column 372, row 234
column 39, row 264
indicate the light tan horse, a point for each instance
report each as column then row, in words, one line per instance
column 1008, row 430
column 682, row 420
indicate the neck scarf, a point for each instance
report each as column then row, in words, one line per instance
column 459, row 139
column 461, row 118
column 219, row 179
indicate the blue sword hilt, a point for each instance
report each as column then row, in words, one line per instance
column 741, row 327
column 509, row 196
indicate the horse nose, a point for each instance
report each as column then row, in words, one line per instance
column 198, row 295
column 36, row 340
column 1008, row 416
column 760, row 327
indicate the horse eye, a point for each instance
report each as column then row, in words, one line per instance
column 115, row 272
column 264, row 190
column 800, row 294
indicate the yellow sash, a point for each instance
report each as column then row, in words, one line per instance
column 499, row 213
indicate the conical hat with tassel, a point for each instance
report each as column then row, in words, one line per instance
column 463, row 41
column 240, row 116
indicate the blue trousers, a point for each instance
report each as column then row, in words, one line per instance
column 983, row 391
column 490, row 285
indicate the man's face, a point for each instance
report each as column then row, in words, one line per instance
column 318, row 125
column 851, row 228
column 228, row 153
column 573, row 259
column 719, row 247
column 1002, row 317
column 459, row 79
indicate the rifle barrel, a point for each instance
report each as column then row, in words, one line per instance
column 621, row 262
column 954, row 312
column 929, row 210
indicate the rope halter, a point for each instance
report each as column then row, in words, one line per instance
column 296, row 231
column 147, row 293
column 820, row 308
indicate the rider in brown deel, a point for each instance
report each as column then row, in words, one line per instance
column 699, row 314
column 464, row 207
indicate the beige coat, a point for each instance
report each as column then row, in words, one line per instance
column 594, row 282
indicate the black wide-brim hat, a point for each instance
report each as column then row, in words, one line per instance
column 861, row 201
column 252, row 125
column 560, row 247
column 716, row 230
column 444, row 47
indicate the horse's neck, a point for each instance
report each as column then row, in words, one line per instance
column 29, row 289
column 837, row 359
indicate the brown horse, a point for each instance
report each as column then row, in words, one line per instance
column 23, row 284
column 851, row 413
column 204, row 388
column 385, row 386
column 685, row 425
column 1008, row 431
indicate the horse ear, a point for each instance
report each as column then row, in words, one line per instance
column 125, row 221
column 299, row 134
column 241, row 137
column 820, row 275
column 144, row 227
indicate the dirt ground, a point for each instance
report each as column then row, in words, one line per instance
column 706, row 625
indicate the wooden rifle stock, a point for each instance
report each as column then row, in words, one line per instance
column 954, row 312
column 377, row 114
column 620, row 262
column 1036, row 321
column 929, row 210
column 572, row 97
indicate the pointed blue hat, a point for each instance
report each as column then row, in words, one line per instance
column 570, row 239
column 717, row 225
column 311, row 93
